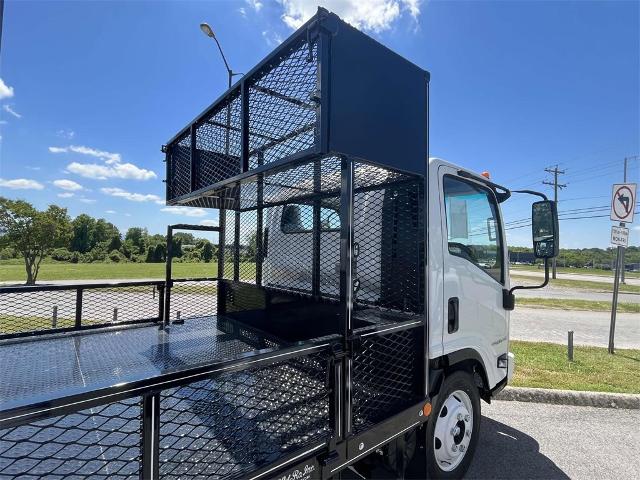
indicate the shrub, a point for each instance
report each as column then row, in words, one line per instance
column 61, row 255
column 116, row 257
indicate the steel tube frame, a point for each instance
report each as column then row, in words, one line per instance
column 168, row 282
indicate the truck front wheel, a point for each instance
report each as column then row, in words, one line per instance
column 452, row 435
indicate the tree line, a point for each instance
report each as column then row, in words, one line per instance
column 35, row 235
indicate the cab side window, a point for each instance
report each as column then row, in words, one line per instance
column 473, row 225
column 298, row 218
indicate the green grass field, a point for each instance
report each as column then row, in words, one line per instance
column 545, row 365
column 572, row 304
column 97, row 271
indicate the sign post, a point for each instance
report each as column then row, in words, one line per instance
column 623, row 202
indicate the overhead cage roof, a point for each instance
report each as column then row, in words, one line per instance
column 328, row 90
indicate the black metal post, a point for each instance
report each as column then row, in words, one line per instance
column 222, row 220
column 317, row 227
column 161, row 303
column 259, row 229
column 194, row 158
column 236, row 245
column 244, row 125
column 167, row 281
column 322, row 108
column 78, row 320
column 346, row 278
column 150, row 436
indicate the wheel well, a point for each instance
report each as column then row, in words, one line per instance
column 465, row 360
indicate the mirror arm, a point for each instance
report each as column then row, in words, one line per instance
column 531, row 192
column 509, row 300
column 531, row 287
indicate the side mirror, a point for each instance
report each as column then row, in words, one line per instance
column 544, row 223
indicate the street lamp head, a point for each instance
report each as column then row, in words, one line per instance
column 207, row 30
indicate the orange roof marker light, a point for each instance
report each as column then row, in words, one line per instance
column 486, row 175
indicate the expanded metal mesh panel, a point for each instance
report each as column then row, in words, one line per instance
column 194, row 299
column 282, row 109
column 229, row 244
column 248, row 246
column 218, row 143
column 388, row 239
column 120, row 304
column 239, row 421
column 384, row 377
column 180, row 167
column 101, row 442
column 35, row 311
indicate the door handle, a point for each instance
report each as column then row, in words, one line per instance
column 452, row 315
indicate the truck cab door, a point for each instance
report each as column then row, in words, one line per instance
column 474, row 272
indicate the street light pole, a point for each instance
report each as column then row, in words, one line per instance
column 208, row 31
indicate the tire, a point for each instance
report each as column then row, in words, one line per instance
column 450, row 443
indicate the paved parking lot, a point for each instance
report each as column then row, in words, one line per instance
column 530, row 440
column 590, row 328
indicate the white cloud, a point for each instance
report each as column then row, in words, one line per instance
column 113, row 168
column 110, row 211
column 242, row 11
column 255, row 4
column 66, row 134
column 127, row 214
column 209, row 223
column 67, row 185
column 187, row 211
column 87, row 200
column 21, row 184
column 273, row 39
column 58, row 150
column 5, row 90
column 101, row 172
column 373, row 15
column 10, row 110
column 29, row 167
column 66, row 194
column 134, row 197
column 108, row 157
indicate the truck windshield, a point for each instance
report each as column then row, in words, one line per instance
column 473, row 225
column 298, row 218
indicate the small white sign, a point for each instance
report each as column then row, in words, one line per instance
column 623, row 202
column 620, row 236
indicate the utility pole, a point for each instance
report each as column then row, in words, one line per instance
column 556, row 186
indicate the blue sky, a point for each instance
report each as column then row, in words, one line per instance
column 91, row 90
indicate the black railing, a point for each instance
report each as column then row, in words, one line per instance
column 45, row 309
column 199, row 421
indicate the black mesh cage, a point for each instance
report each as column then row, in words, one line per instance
column 281, row 121
column 313, row 327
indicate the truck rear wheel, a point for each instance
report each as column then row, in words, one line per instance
column 452, row 435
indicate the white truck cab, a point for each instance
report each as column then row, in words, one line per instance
column 469, row 292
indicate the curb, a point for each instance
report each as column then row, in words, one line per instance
column 571, row 397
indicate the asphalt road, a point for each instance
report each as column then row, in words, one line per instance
column 590, row 328
column 575, row 276
column 552, row 291
column 540, row 441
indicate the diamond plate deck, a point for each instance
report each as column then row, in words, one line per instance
column 48, row 368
